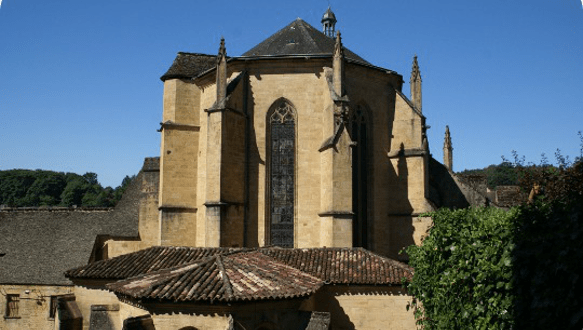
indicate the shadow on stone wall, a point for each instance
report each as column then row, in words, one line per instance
column 444, row 191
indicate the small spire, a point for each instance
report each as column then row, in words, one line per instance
column 338, row 66
column 447, row 150
column 221, row 76
column 329, row 23
column 415, row 72
column 415, row 84
column 338, row 49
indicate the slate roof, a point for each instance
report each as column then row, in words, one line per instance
column 299, row 38
column 189, row 65
column 296, row 39
column 332, row 265
column 238, row 276
column 40, row 245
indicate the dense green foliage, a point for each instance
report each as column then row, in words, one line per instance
column 547, row 266
column 463, row 270
column 40, row 188
column 520, row 269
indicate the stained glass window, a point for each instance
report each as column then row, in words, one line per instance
column 282, row 166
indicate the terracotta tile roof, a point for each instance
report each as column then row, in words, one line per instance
column 332, row 265
column 144, row 261
column 344, row 265
column 238, row 276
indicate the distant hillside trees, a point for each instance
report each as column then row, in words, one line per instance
column 48, row 188
column 503, row 174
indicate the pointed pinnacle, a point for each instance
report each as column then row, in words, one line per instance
column 338, row 49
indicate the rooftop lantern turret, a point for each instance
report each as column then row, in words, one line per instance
column 329, row 23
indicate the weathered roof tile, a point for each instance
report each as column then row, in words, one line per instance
column 333, row 265
column 238, row 276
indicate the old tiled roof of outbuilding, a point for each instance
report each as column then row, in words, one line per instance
column 332, row 265
column 229, row 277
column 344, row 265
column 40, row 244
column 144, row 261
column 299, row 38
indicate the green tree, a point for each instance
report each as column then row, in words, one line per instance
column 77, row 187
column 118, row 193
column 46, row 189
column 13, row 186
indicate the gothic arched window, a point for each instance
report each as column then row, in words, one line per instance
column 282, row 136
column 360, row 177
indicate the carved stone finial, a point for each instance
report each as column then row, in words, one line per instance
column 222, row 51
column 338, row 49
column 415, row 72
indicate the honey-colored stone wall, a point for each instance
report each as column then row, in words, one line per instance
column 33, row 306
column 366, row 308
column 178, row 163
column 216, row 170
column 174, row 319
column 89, row 294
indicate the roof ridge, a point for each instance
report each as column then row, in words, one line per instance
column 225, row 277
column 304, row 28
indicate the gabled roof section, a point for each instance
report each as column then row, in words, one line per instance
column 299, row 38
column 332, row 265
column 189, row 65
column 237, row 276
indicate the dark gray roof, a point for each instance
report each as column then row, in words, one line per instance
column 39, row 245
column 189, row 65
column 299, row 38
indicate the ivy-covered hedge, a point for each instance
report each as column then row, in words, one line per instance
column 485, row 268
column 548, row 266
column 463, row 270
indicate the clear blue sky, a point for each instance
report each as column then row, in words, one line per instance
column 80, row 89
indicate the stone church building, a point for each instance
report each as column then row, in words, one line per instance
column 297, row 143
column 289, row 179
